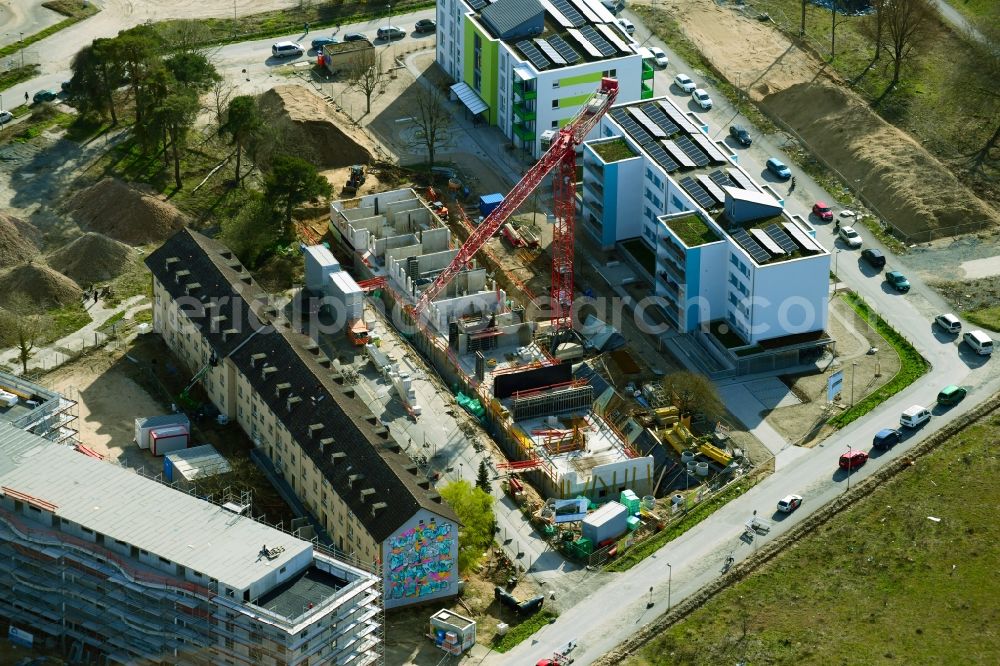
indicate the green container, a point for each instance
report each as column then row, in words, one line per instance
column 633, row 523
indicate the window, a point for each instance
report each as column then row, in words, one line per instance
column 165, row 560
column 555, row 84
column 555, row 104
column 477, row 62
column 86, row 529
column 555, row 124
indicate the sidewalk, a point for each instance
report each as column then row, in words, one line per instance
column 59, row 352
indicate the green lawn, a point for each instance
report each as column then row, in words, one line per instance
column 66, row 320
column 520, row 632
column 17, row 75
column 77, row 15
column 692, row 230
column 881, row 583
column 614, row 150
column 972, row 9
column 986, row 317
column 912, row 364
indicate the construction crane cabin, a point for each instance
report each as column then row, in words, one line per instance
column 560, row 158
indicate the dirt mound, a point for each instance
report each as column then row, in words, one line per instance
column 92, row 258
column 39, row 284
column 112, row 208
column 17, row 241
column 911, row 189
column 333, row 142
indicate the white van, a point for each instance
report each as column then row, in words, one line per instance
column 914, row 416
column 980, row 342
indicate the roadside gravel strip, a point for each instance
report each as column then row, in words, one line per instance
column 634, row 643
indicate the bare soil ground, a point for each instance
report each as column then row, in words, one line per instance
column 914, row 191
column 804, row 424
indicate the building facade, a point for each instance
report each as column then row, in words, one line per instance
column 278, row 386
column 117, row 568
column 717, row 246
column 528, row 66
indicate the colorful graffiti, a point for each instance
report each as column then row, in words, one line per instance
column 420, row 561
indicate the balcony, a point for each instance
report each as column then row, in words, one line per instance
column 647, row 71
column 522, row 90
column 523, row 112
column 523, row 133
column 647, row 91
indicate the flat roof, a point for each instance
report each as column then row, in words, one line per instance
column 603, row 445
column 310, row 588
column 123, row 505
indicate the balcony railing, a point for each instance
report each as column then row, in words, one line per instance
column 523, row 112
column 523, row 132
column 521, row 91
column 647, row 71
column 647, row 91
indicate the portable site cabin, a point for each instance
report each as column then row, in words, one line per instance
column 143, row 426
column 198, row 462
column 452, row 632
column 168, row 439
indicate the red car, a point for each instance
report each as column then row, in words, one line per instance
column 822, row 211
column 853, row 459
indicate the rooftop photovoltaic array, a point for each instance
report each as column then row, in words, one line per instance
column 643, row 138
column 563, row 48
column 753, row 248
column 569, row 11
column 549, row 51
column 587, row 11
column 783, row 240
column 656, row 114
column 660, row 155
column 712, row 188
column 533, row 54
column 679, row 155
column 697, row 192
column 721, row 179
column 612, row 36
column 766, row 242
column 677, row 117
column 599, row 42
column 715, row 156
column 477, row 5
column 694, row 152
column 742, row 180
column 591, row 50
column 802, row 238
column 647, row 123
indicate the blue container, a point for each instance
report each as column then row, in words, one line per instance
column 168, row 469
column 489, row 202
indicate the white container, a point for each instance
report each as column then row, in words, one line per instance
column 144, row 425
column 320, row 263
column 8, row 399
column 168, row 439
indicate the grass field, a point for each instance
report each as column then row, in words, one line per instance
column 879, row 584
column 75, row 12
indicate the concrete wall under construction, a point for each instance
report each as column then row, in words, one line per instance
column 362, row 222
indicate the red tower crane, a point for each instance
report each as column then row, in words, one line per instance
column 561, row 158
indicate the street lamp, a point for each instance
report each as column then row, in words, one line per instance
column 854, row 367
column 649, row 604
column 849, row 465
column 670, row 579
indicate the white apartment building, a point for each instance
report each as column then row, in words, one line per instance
column 527, row 66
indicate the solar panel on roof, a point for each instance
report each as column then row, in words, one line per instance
column 720, row 179
column 657, row 116
column 753, row 248
column 533, row 54
column 609, row 34
column 599, row 42
column 587, row 11
column 477, row 4
column 783, row 240
column 697, row 192
column 591, row 50
column 703, row 142
column 569, row 11
column 712, row 188
column 660, row 155
column 804, row 241
column 563, row 48
column 677, row 117
column 742, row 180
column 694, row 152
column 766, row 242
column 679, row 155
column 646, row 123
column 549, row 51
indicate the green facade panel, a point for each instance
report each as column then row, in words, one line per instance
column 488, row 60
column 575, row 100
column 592, row 77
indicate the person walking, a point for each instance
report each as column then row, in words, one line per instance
column 26, row 97
column 307, row 28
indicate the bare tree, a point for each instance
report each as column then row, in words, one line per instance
column 433, row 120
column 365, row 73
column 907, row 23
column 872, row 27
column 690, row 392
column 22, row 326
column 222, row 91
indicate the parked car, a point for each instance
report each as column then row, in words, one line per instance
column 981, row 343
column 355, row 37
column 897, row 281
column 626, row 25
column 390, row 32
column 6, row 117
column 789, row 503
column 287, row 50
column 778, row 168
column 951, row 395
column 685, row 83
column 822, row 211
column 740, row 134
column 318, row 43
column 886, row 438
column 914, row 416
column 45, row 96
column 659, row 56
column 874, row 257
column 425, row 25
column 850, row 236
column 949, row 323
column 702, row 99
column 853, row 459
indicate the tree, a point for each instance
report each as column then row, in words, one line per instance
column 243, row 124
column 483, row 478
column 365, row 73
column 433, row 119
column 474, row 508
column 222, row 92
column 872, row 27
column 253, row 231
column 293, row 181
column 136, row 50
column 22, row 326
column 907, row 23
column 985, row 99
column 176, row 114
column 96, row 75
column 690, row 392
column 191, row 68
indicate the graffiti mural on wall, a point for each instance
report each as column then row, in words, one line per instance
column 420, row 561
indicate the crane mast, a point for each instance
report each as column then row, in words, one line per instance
column 560, row 158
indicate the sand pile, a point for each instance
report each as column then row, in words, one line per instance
column 332, row 140
column 114, row 209
column 914, row 191
column 40, row 285
column 17, row 241
column 92, row 258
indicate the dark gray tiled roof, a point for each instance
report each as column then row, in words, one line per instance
column 364, row 445
column 504, row 17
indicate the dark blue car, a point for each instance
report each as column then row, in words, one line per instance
column 318, row 43
column 886, row 438
column 778, row 168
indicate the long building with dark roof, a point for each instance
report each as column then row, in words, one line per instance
column 276, row 383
